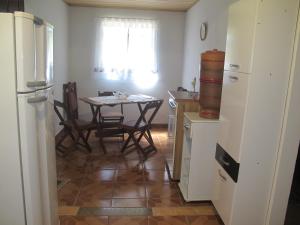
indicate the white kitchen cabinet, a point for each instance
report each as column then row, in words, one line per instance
column 224, row 189
column 197, row 167
column 233, row 112
column 252, row 112
column 242, row 20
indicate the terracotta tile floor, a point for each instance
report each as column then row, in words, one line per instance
column 116, row 180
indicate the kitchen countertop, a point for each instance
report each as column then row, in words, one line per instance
column 183, row 96
column 195, row 118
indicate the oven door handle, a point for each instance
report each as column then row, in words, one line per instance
column 172, row 104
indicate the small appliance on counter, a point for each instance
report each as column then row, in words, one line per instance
column 211, row 80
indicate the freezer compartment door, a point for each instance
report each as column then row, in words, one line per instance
column 234, row 100
column 44, row 53
column 34, row 52
column 25, row 52
column 38, row 159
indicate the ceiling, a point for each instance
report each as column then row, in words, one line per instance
column 170, row 5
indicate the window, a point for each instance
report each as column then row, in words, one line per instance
column 127, row 48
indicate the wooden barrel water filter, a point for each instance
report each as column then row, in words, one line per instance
column 211, row 81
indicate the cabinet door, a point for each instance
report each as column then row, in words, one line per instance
column 223, row 194
column 240, row 35
column 234, row 100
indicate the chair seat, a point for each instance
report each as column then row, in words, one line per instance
column 129, row 125
column 112, row 115
column 82, row 124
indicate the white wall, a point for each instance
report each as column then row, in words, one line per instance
column 56, row 13
column 214, row 12
column 82, row 29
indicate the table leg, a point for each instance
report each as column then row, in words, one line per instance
column 149, row 137
column 94, row 112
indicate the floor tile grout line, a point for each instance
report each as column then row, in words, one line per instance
column 145, row 181
column 80, row 186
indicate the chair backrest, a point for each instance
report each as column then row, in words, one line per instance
column 109, row 93
column 70, row 100
column 155, row 105
column 105, row 93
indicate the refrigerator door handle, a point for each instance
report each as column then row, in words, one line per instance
column 41, row 83
column 38, row 21
column 37, row 99
column 236, row 66
column 233, row 78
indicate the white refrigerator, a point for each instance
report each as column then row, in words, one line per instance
column 27, row 155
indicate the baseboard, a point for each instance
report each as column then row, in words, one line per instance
column 159, row 125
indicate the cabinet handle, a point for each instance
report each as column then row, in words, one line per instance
column 223, row 161
column 187, row 126
column 236, row 66
column 233, row 78
column 221, row 175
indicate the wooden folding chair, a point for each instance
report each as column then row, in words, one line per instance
column 111, row 120
column 72, row 125
column 141, row 128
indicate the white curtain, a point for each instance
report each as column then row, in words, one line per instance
column 127, row 47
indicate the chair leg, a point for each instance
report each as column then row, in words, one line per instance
column 127, row 142
column 139, row 148
column 140, row 136
column 61, row 140
column 86, row 144
column 148, row 137
column 71, row 135
column 102, row 144
column 59, row 146
column 88, row 135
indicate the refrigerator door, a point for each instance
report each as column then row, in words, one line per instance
column 234, row 100
column 34, row 53
column 46, row 144
column 25, row 52
column 28, row 128
column 44, row 52
column 49, row 54
column 38, row 159
column 11, row 192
